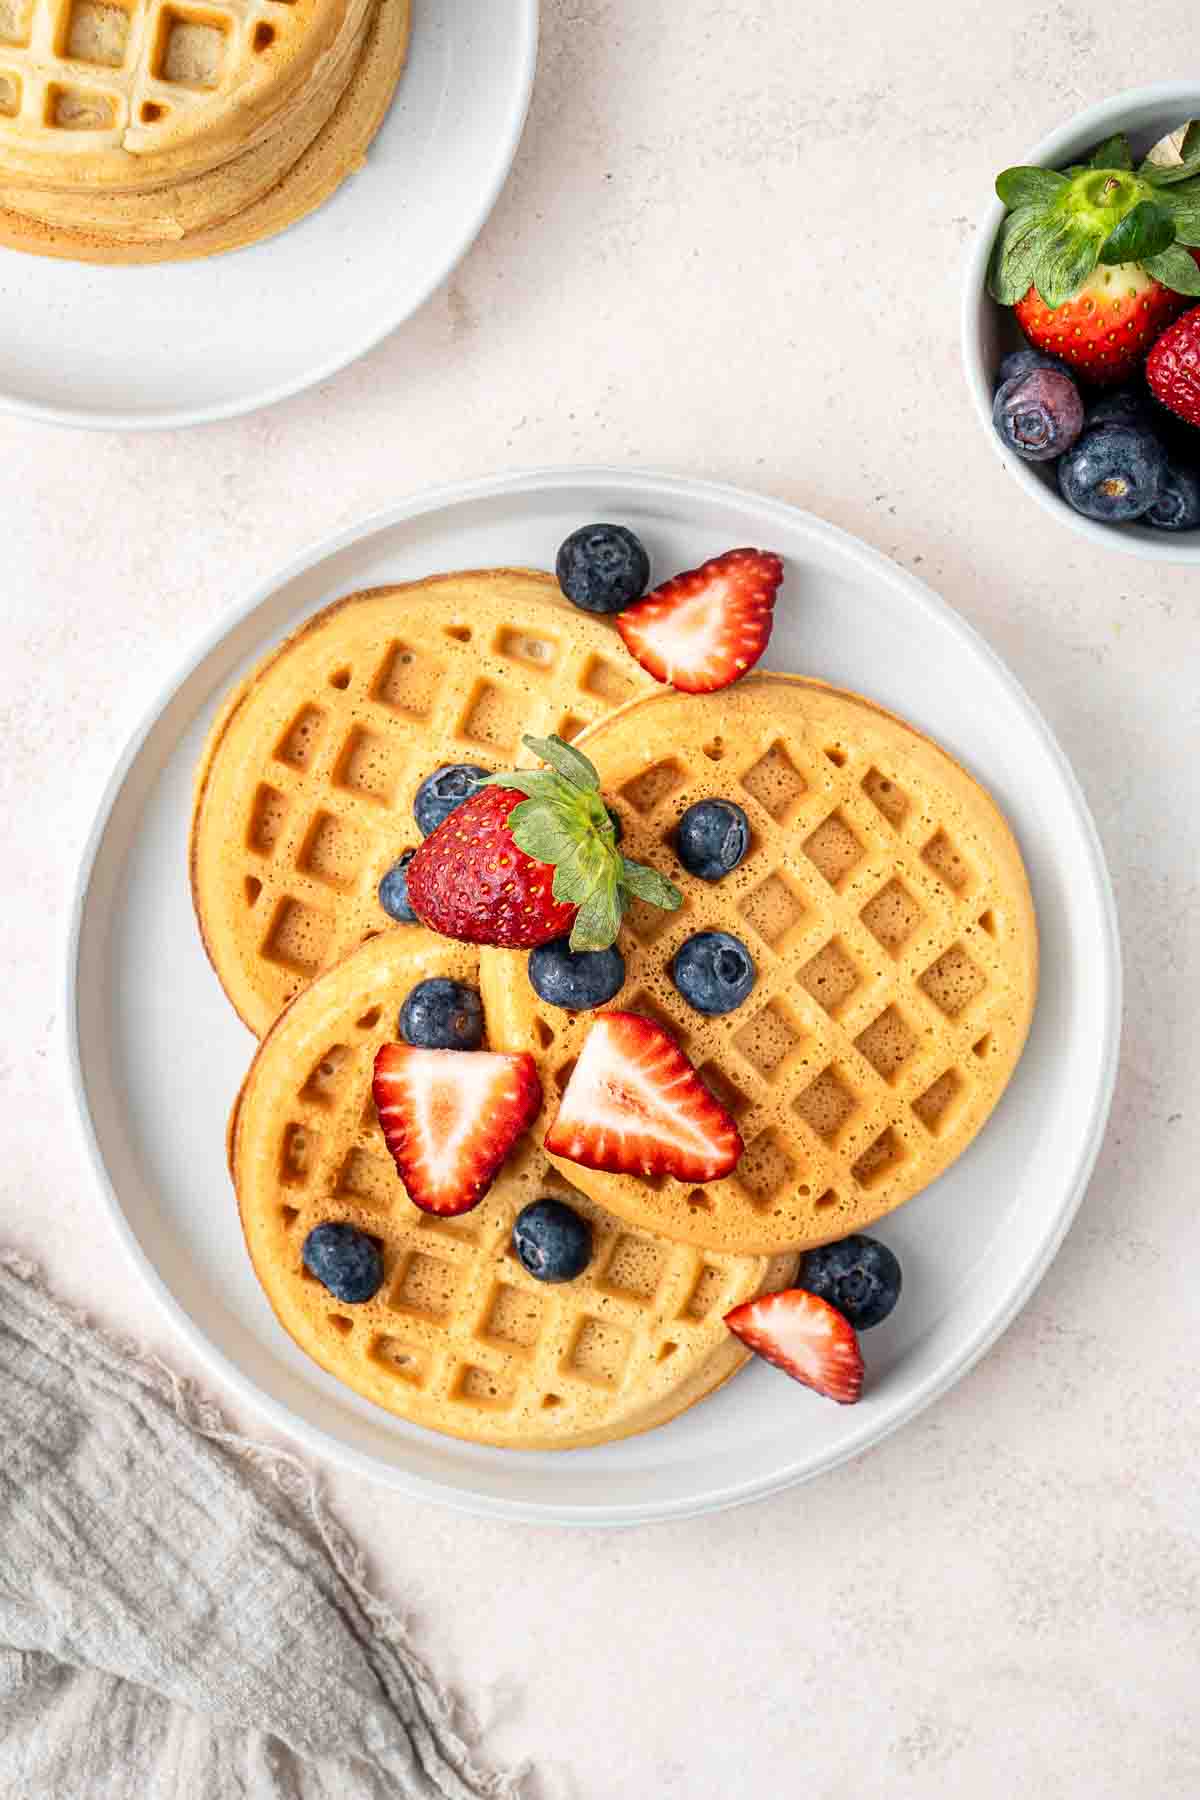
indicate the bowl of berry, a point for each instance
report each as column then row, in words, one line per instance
column 1081, row 322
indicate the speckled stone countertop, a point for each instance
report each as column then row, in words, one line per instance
column 732, row 245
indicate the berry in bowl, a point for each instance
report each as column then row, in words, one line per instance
column 1081, row 323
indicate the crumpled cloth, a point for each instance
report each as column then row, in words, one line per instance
column 180, row 1616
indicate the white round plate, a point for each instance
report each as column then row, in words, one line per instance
column 187, row 343
column 157, row 1054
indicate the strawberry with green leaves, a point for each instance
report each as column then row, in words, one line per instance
column 1097, row 260
column 531, row 856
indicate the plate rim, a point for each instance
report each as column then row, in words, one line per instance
column 183, row 418
column 315, row 1439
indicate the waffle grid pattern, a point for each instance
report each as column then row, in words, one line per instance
column 75, row 66
column 459, row 1336
column 865, row 1049
column 332, row 806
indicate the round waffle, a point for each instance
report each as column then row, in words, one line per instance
column 459, row 1338
column 123, row 95
column 306, row 784
column 255, row 195
column 887, row 909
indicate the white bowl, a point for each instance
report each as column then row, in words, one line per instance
column 989, row 330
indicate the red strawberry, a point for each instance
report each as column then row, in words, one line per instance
column 1108, row 326
column 469, row 880
column 1173, row 368
column 1095, row 260
column 805, row 1337
column 634, row 1105
column 530, row 857
column 705, row 628
column 450, row 1117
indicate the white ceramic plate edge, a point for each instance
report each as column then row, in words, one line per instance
column 186, row 417
column 313, row 1439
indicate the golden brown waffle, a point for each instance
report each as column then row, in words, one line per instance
column 168, row 214
column 459, row 1338
column 128, row 96
column 170, row 226
column 886, row 906
column 305, row 788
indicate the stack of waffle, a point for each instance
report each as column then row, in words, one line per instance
column 882, row 897
column 153, row 130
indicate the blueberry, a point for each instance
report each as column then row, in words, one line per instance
column 1124, row 406
column 602, row 568
column 860, row 1276
column 712, row 838
column 344, row 1260
column 441, row 1014
column 713, row 971
column 1113, row 473
column 440, row 793
column 552, row 1241
column 1178, row 505
column 1038, row 414
column 1020, row 362
column 576, row 980
column 393, row 891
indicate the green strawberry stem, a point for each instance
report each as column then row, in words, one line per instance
column 1060, row 226
column 563, row 821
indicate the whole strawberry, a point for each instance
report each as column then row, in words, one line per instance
column 1107, row 326
column 531, row 857
column 1173, row 368
column 1096, row 260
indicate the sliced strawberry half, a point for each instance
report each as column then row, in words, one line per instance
column 705, row 628
column 450, row 1117
column 635, row 1106
column 805, row 1337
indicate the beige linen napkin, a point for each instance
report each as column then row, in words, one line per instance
column 180, row 1617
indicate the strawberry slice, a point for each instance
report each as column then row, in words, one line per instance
column 805, row 1337
column 705, row 628
column 450, row 1117
column 635, row 1106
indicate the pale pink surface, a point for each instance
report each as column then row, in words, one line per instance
column 731, row 246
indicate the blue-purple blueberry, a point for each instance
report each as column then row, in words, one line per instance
column 345, row 1261
column 444, row 792
column 576, row 980
column 1019, row 362
column 1113, row 473
column 1038, row 414
column 1125, row 406
column 711, row 838
column 713, row 971
column 552, row 1241
column 1178, row 505
column 602, row 568
column 859, row 1275
column 393, row 891
column 440, row 1014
